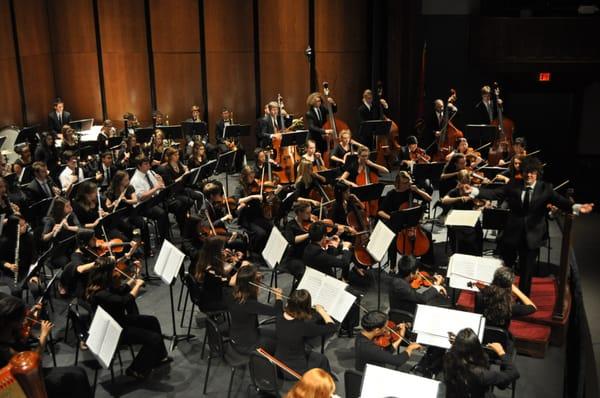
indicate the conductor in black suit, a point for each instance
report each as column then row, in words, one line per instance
column 316, row 116
column 369, row 111
column 528, row 201
column 58, row 117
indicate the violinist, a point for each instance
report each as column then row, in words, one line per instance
column 411, row 154
column 325, row 253
column 466, row 240
column 449, row 177
column 14, row 265
column 526, row 226
column 297, row 236
column 269, row 127
column 315, row 117
column 366, row 350
column 72, row 173
column 62, row 381
column 468, row 372
column 514, row 170
column 462, row 146
column 339, row 153
column 394, row 200
column 364, row 166
column 518, row 148
column 216, row 211
column 369, row 111
column 181, row 198
column 119, row 302
column 146, row 184
column 251, row 214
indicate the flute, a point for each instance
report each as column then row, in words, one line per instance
column 18, row 245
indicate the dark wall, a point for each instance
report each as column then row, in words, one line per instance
column 139, row 55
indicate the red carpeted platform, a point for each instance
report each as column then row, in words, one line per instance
column 532, row 333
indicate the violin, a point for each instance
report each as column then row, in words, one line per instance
column 423, row 278
column 329, row 224
column 112, row 246
column 32, row 317
column 388, row 338
column 478, row 284
column 420, row 156
column 121, row 268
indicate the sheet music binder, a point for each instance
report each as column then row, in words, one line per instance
column 432, row 324
column 328, row 292
column 168, row 262
column 380, row 241
column 464, row 269
column 404, row 384
column 275, row 248
column 103, row 338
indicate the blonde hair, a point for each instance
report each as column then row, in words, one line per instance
column 312, row 99
column 304, row 172
column 315, row 383
column 346, row 132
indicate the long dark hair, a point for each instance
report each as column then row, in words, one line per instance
column 497, row 297
column 211, row 255
column 100, row 278
column 84, row 190
column 115, row 184
column 299, row 305
column 462, row 363
column 57, row 209
column 243, row 290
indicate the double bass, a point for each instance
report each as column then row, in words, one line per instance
column 502, row 145
column 386, row 145
column 332, row 123
column 288, row 156
column 449, row 133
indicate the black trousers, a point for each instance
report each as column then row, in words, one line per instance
column 258, row 230
column 161, row 217
column 526, row 265
column 179, row 206
column 144, row 330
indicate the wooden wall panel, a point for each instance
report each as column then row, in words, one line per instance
column 230, row 62
column 125, row 59
column 341, row 53
column 75, row 57
column 176, row 49
column 283, row 37
column 10, row 111
column 36, row 59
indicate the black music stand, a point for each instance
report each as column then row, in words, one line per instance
column 201, row 173
column 75, row 187
column 37, row 211
column 87, row 149
column 27, row 134
column 374, row 129
column 368, row 192
column 144, row 135
column 173, row 132
column 330, row 175
column 480, row 134
column 191, row 129
column 494, row 218
column 405, row 218
column 491, row 172
column 81, row 125
column 114, row 142
column 294, row 138
column 225, row 162
column 431, row 171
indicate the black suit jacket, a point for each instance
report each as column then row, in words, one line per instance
column 326, row 260
column 314, row 124
column 264, row 131
column 35, row 192
column 53, row 122
column 100, row 168
column 530, row 224
column 481, row 113
column 365, row 114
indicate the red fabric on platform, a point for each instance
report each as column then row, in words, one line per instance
column 528, row 331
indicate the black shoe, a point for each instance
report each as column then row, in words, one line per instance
column 136, row 375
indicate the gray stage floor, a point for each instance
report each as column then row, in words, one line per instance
column 185, row 377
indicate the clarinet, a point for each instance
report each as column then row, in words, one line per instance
column 17, row 254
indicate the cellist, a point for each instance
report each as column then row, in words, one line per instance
column 394, row 200
column 357, row 173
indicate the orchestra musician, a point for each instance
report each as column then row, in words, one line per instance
column 58, row 117
column 72, row 173
column 132, row 124
column 297, row 236
column 216, row 211
column 368, row 111
column 157, row 148
column 198, row 157
column 181, row 198
column 42, row 186
column 86, row 206
column 486, row 110
column 47, row 152
column 366, row 351
column 63, row 381
column 449, row 177
column 315, row 117
column 340, row 151
column 519, row 148
column 315, row 383
column 269, row 126
column 513, row 172
column 260, row 163
column 412, row 154
column 105, row 170
column 7, row 208
column 128, row 152
column 526, row 226
column 229, row 144
column 119, row 302
column 12, row 269
column 325, row 253
column 69, row 139
column 307, row 180
column 364, row 165
column 462, row 146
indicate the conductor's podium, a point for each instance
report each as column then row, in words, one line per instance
column 534, row 332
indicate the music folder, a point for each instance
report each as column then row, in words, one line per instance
column 380, row 241
column 275, row 248
column 168, row 262
column 297, row 137
column 462, row 218
column 374, row 127
column 327, row 291
column 103, row 337
column 368, row 192
column 433, row 324
column 464, row 270
column 375, row 384
column 194, row 128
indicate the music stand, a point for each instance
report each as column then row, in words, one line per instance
column 494, row 218
column 38, row 210
column 194, row 128
column 82, row 125
column 491, row 172
column 27, row 134
column 330, row 175
column 144, row 135
column 173, row 132
column 88, row 148
column 294, row 138
column 374, row 127
column 75, row 187
column 201, row 173
column 114, row 142
column 225, row 162
column 431, row 171
column 480, row 134
column 368, row 192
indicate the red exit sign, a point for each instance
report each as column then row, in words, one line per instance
column 544, row 76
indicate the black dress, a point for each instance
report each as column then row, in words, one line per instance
column 244, row 331
column 465, row 240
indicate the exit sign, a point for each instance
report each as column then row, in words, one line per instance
column 544, row 76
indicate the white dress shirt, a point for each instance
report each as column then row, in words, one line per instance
column 140, row 182
column 65, row 177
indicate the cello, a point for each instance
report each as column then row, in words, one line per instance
column 386, row 145
column 332, row 123
column 358, row 219
column 449, row 133
column 502, row 145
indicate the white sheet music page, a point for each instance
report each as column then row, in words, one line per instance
column 379, row 382
column 464, row 269
column 432, row 324
column 103, row 338
column 462, row 218
column 168, row 262
column 380, row 240
column 275, row 248
column 328, row 292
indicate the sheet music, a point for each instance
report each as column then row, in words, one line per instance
column 103, row 339
column 374, row 384
column 462, row 218
column 380, row 241
column 328, row 292
column 275, row 248
column 464, row 268
column 168, row 262
column 432, row 324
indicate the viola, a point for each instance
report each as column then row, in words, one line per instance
column 122, row 266
column 388, row 338
column 420, row 156
column 423, row 278
column 32, row 317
